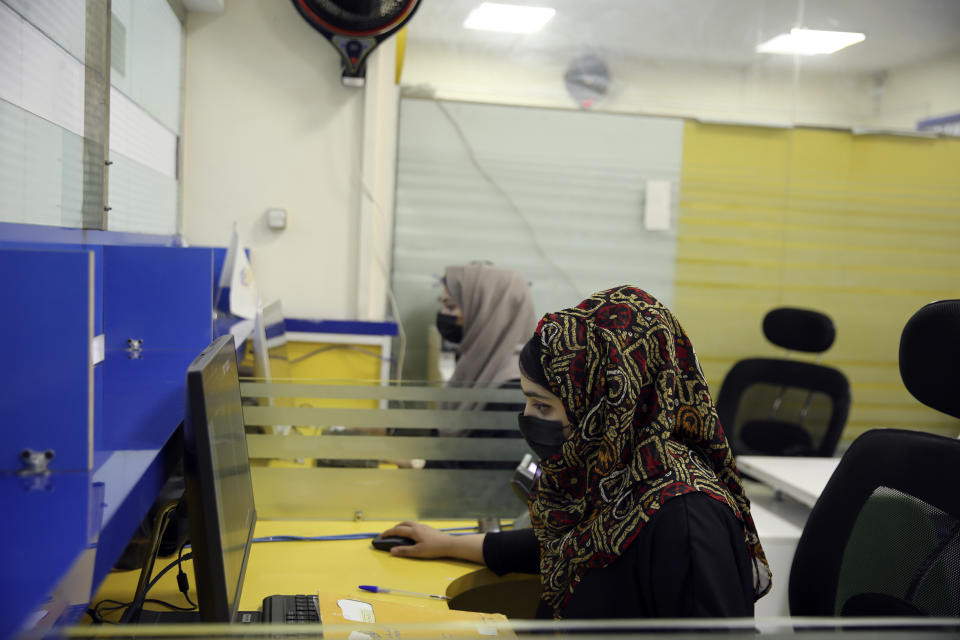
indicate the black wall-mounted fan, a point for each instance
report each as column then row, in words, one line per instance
column 356, row 27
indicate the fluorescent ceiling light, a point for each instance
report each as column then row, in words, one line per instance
column 810, row 42
column 510, row 18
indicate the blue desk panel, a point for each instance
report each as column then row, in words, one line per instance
column 97, row 252
column 46, row 324
column 48, row 525
column 143, row 398
column 69, row 531
column 131, row 480
column 356, row 327
column 70, row 527
column 163, row 296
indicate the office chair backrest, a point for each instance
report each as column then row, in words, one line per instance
column 769, row 406
column 883, row 539
column 929, row 355
column 799, row 329
column 777, row 406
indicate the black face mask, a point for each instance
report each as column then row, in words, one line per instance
column 544, row 436
column 448, row 327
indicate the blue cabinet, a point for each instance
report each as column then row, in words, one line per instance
column 73, row 385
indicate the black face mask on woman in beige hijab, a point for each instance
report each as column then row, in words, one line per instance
column 448, row 327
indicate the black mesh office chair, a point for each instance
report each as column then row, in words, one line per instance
column 884, row 537
column 777, row 406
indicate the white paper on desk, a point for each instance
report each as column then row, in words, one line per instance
column 656, row 209
column 356, row 610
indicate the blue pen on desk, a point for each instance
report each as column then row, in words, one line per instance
column 375, row 589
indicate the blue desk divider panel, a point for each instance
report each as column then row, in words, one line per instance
column 96, row 250
column 110, row 423
column 143, row 398
column 131, row 480
column 356, row 327
column 162, row 297
column 48, row 526
column 47, row 326
column 71, row 243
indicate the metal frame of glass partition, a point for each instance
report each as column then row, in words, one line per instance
column 811, row 628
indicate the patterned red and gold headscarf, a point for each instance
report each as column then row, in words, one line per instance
column 645, row 429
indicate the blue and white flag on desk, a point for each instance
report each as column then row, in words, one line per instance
column 237, row 290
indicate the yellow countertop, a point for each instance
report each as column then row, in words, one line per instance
column 304, row 567
column 339, row 566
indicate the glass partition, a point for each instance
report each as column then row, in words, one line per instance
column 811, row 628
column 404, row 450
column 90, row 87
column 52, row 113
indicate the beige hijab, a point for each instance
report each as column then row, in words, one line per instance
column 498, row 318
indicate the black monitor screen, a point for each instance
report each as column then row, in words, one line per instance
column 219, row 490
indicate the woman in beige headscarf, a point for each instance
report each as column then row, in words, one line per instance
column 496, row 317
column 489, row 312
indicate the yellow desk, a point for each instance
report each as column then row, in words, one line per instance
column 337, row 566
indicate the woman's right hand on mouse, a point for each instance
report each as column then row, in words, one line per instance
column 430, row 543
column 433, row 543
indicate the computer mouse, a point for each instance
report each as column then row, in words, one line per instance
column 389, row 542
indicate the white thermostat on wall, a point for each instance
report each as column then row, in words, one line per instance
column 277, row 218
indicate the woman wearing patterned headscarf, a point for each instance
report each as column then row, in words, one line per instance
column 639, row 510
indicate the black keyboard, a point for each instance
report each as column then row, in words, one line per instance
column 299, row 609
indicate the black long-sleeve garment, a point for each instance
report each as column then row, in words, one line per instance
column 690, row 560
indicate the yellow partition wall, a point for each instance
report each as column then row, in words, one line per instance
column 332, row 362
column 336, row 363
column 865, row 228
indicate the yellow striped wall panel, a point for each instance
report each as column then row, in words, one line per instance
column 865, row 228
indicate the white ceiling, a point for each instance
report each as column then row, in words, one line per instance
column 722, row 32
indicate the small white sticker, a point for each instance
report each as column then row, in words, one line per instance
column 97, row 349
column 657, row 205
column 356, row 610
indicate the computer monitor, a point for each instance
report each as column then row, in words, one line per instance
column 219, row 489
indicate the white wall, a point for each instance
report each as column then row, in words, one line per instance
column 268, row 123
column 914, row 92
column 742, row 94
